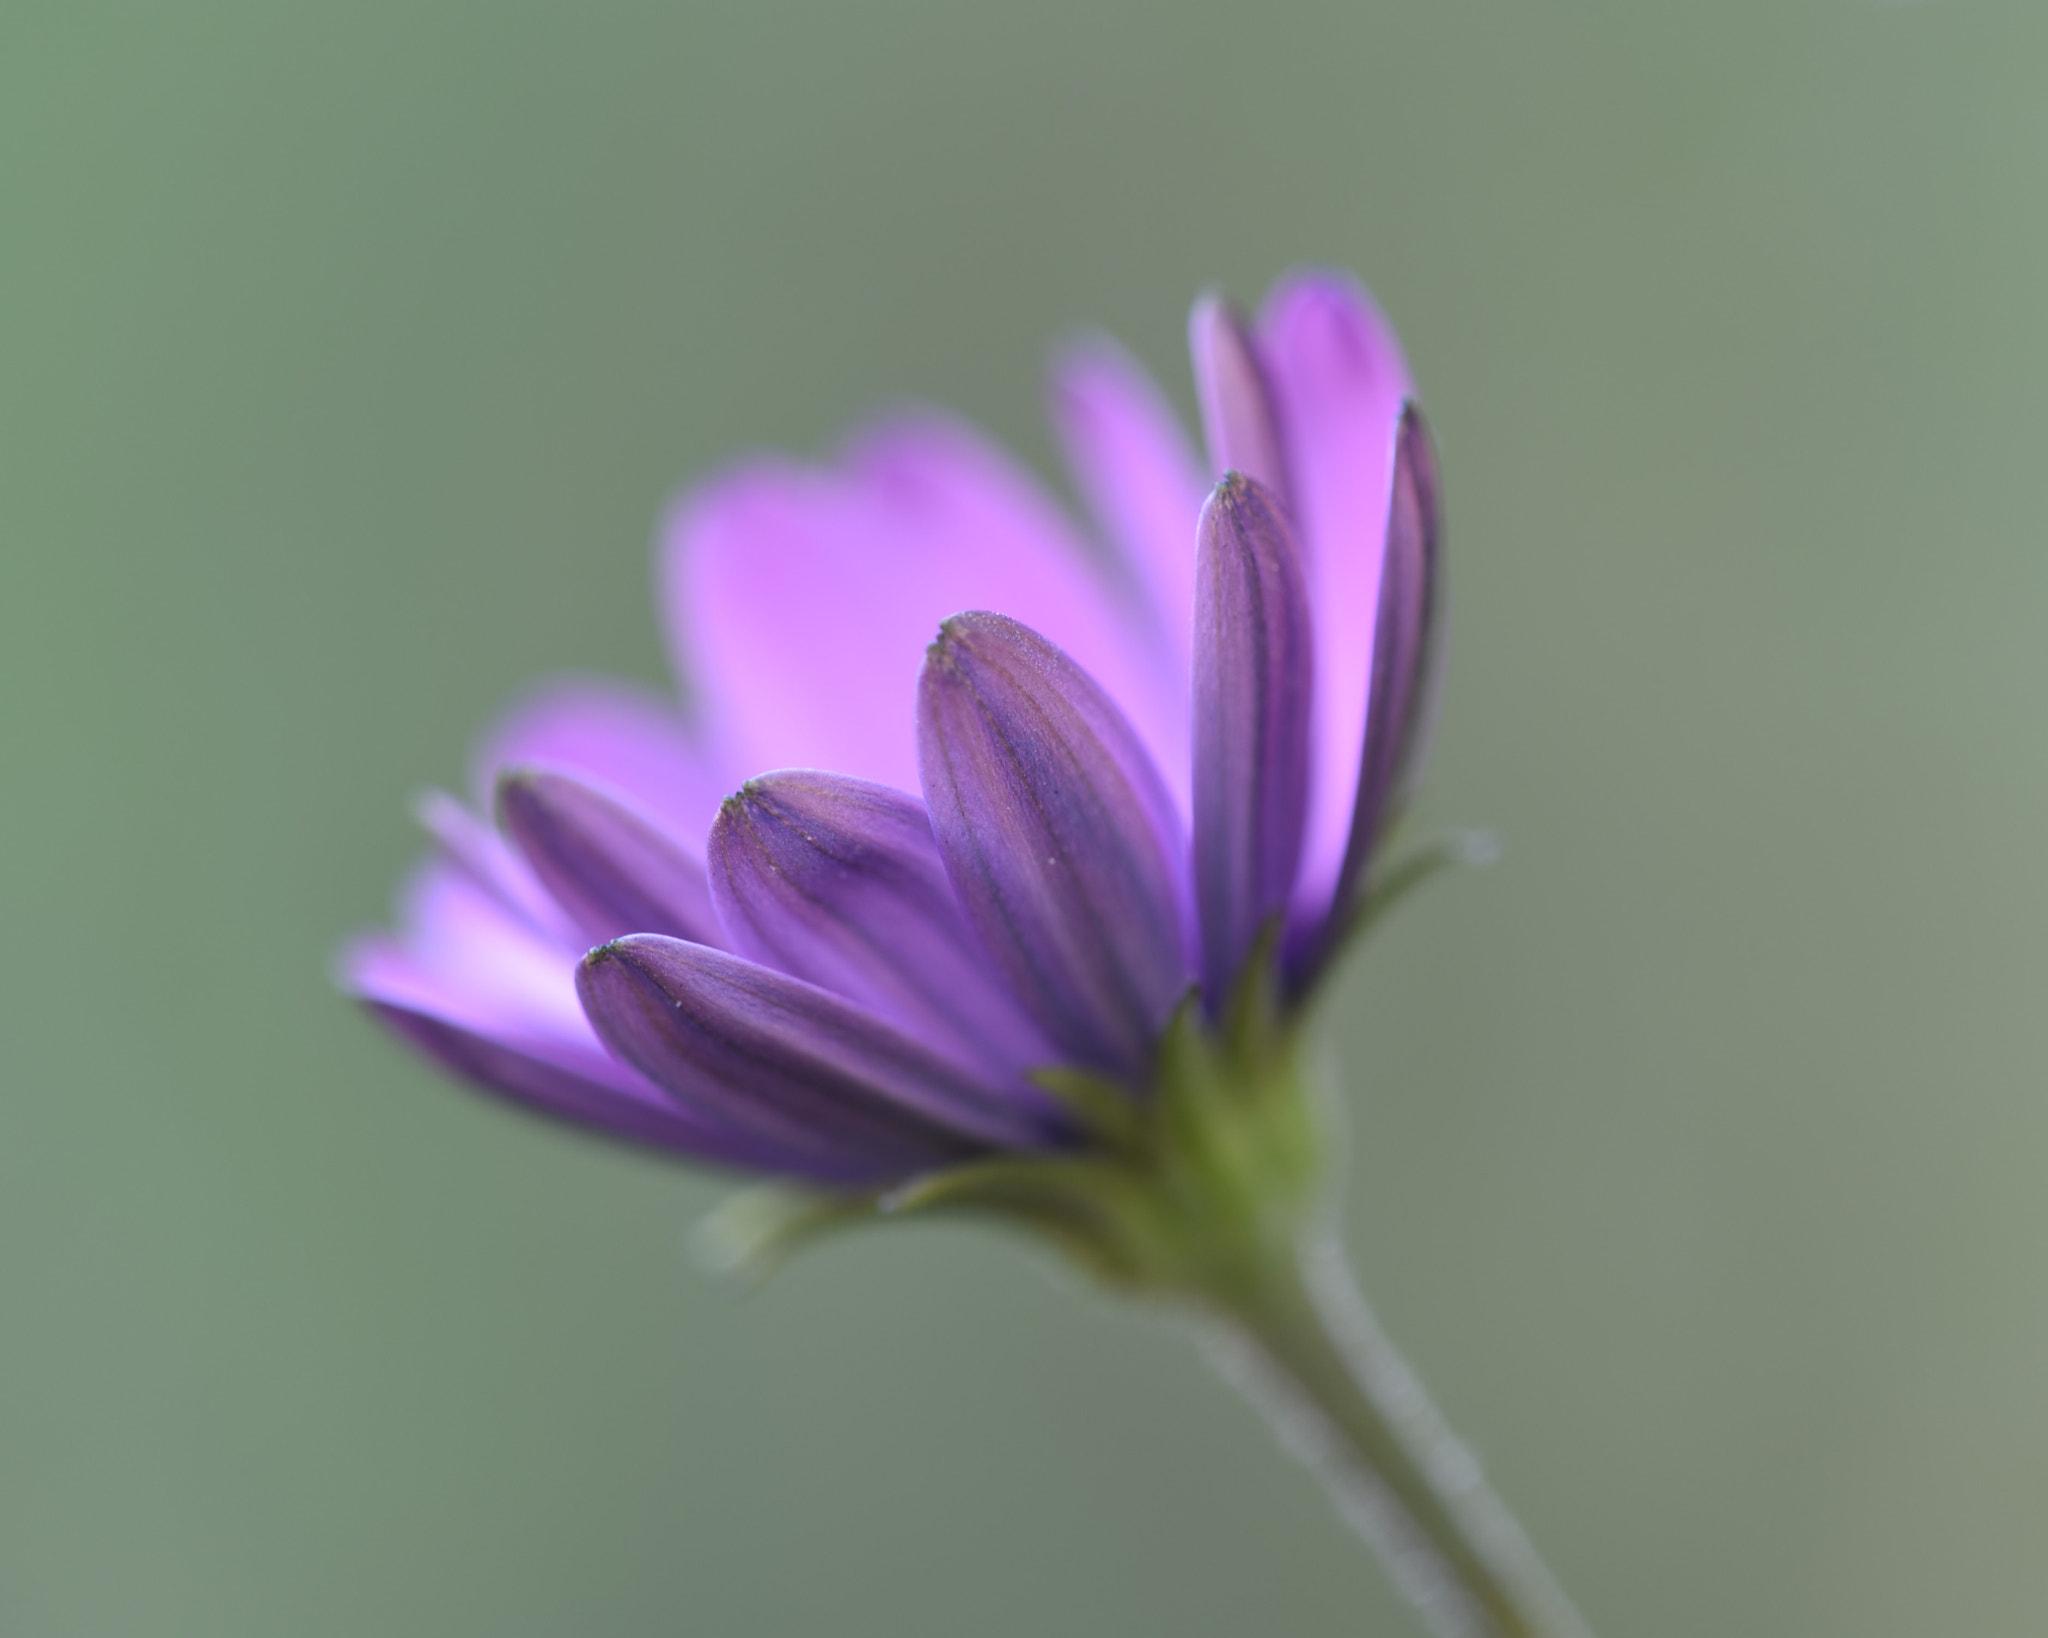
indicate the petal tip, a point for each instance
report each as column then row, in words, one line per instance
column 514, row 791
column 1212, row 306
column 956, row 631
column 1244, row 499
column 1233, row 488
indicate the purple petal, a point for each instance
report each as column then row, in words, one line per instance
column 839, row 882
column 772, row 1055
column 1237, row 405
column 1415, row 566
column 470, row 844
column 462, row 954
column 1133, row 466
column 622, row 739
column 1407, row 649
column 1254, row 676
column 801, row 599
column 476, row 987
column 1059, row 837
column 546, row 1088
column 611, row 870
column 1338, row 383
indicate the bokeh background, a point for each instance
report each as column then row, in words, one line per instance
column 347, row 354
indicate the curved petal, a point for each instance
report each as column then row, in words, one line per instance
column 462, row 954
column 1133, row 466
column 1237, row 407
column 1254, row 674
column 839, row 882
column 543, row 1087
column 789, row 1061
column 479, row 990
column 1059, row 837
column 802, row 599
column 1338, row 381
column 606, row 866
column 627, row 741
column 1407, row 649
column 471, row 845
column 1414, row 595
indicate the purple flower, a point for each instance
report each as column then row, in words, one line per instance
column 1035, row 788
column 1060, row 836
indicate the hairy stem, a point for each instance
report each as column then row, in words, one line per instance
column 1302, row 1342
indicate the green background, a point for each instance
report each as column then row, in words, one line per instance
column 347, row 353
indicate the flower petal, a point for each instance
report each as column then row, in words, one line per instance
column 800, row 599
column 1237, row 405
column 473, row 846
column 611, row 870
column 1415, row 572
column 790, row 1062
column 1059, row 836
column 1338, row 382
column 632, row 743
column 1407, row 651
column 463, row 954
column 476, row 987
column 551, row 1089
column 1254, row 677
column 839, row 882
column 1132, row 464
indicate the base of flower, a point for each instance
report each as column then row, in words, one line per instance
column 1208, row 1189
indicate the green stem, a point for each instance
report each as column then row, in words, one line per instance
column 1302, row 1341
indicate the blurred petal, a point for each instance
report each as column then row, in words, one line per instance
column 1059, row 837
column 631, row 743
column 1237, row 405
column 790, row 1062
column 1132, row 464
column 1406, row 648
column 471, row 844
column 801, row 599
column 611, row 870
column 1415, row 566
column 1338, row 382
column 839, row 882
column 1254, row 673
column 547, row 1088
column 462, row 954
column 475, row 986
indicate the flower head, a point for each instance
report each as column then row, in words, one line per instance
column 1056, row 839
column 968, row 812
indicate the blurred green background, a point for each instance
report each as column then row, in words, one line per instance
column 347, row 354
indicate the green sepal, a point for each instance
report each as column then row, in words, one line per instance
column 750, row 1234
column 1391, row 882
column 1183, row 1185
column 1185, row 1182
column 1100, row 1106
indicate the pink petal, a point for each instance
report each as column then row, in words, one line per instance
column 469, row 843
column 1338, row 381
column 461, row 954
column 802, row 599
column 1237, row 405
column 478, row 989
column 629, row 742
column 1141, row 480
